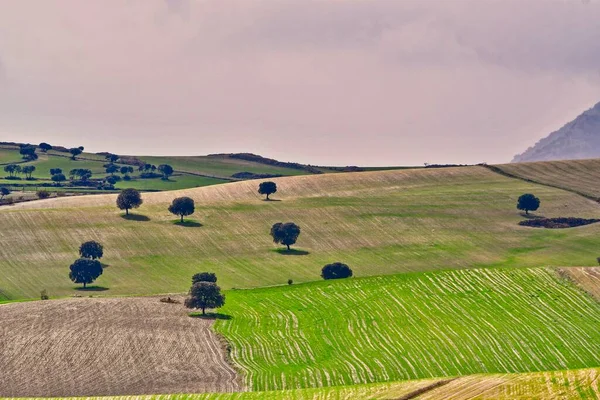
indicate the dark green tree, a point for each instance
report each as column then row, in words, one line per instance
column 91, row 249
column 44, row 147
column 286, row 234
column 336, row 270
column 28, row 152
column 28, row 170
column 58, row 178
column 4, row 191
column 75, row 151
column 128, row 199
column 55, row 171
column 12, row 169
column 111, row 179
column 204, row 277
column 42, row 194
column 111, row 158
column 126, row 169
column 166, row 170
column 267, row 188
column 182, row 206
column 205, row 295
column 111, row 169
column 85, row 271
column 528, row 202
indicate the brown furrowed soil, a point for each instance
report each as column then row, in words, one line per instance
column 587, row 278
column 90, row 347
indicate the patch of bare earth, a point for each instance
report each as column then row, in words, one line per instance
column 89, row 347
column 587, row 278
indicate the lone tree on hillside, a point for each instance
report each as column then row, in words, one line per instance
column 85, row 271
column 286, row 234
column 128, row 199
column 182, row 206
column 75, row 151
column 336, row 270
column 528, row 202
column 28, row 152
column 28, row 170
column 204, row 277
column 205, row 295
column 91, row 249
column 166, row 170
column 4, row 192
column 44, row 147
column 267, row 188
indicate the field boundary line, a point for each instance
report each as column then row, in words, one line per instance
column 416, row 393
column 502, row 172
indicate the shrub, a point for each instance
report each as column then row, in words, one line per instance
column 43, row 194
column 336, row 270
column 44, row 295
column 290, row 281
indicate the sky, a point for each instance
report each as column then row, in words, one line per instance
column 327, row 82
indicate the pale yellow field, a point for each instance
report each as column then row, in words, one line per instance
column 582, row 176
column 587, row 278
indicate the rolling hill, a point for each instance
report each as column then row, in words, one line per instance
column 381, row 222
column 579, row 139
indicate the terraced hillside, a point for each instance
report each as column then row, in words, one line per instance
column 580, row 176
column 379, row 222
column 411, row 326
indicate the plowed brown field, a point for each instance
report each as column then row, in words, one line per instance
column 85, row 347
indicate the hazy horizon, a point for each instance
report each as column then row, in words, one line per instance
column 328, row 82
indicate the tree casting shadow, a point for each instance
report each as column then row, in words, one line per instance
column 188, row 223
column 209, row 315
column 291, row 252
column 92, row 289
column 136, row 217
column 271, row 200
column 531, row 216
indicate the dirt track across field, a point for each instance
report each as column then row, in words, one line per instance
column 89, row 347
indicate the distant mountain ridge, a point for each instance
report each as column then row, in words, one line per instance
column 578, row 139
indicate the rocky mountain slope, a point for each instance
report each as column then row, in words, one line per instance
column 578, row 139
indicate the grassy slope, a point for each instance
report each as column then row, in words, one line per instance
column 410, row 326
column 577, row 175
column 378, row 222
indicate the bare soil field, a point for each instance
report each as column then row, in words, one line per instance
column 93, row 347
column 587, row 278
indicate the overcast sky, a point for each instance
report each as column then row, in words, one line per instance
column 367, row 82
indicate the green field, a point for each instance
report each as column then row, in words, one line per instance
column 410, row 326
column 190, row 172
column 378, row 222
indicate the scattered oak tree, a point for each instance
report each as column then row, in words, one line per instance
column 91, row 249
column 111, row 169
column 82, row 173
column 528, row 202
column 126, row 170
column 28, row 152
column 166, row 170
column 28, row 170
column 111, row 158
column 55, row 171
column 336, row 270
column 4, row 192
column 58, row 178
column 44, row 147
column 85, row 271
column 205, row 295
column 267, row 188
column 12, row 169
column 128, row 199
column 204, row 277
column 182, row 206
column 75, row 151
column 286, row 234
column 42, row 194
